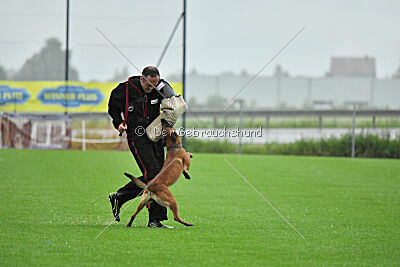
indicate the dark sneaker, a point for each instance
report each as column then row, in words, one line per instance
column 114, row 205
column 157, row 224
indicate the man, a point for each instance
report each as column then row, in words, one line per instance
column 139, row 109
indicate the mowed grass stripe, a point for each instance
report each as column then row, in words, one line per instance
column 54, row 204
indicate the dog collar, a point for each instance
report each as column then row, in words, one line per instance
column 175, row 147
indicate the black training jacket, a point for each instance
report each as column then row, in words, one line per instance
column 141, row 110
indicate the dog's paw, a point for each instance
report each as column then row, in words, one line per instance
column 187, row 176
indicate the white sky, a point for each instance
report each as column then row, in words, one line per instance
column 221, row 35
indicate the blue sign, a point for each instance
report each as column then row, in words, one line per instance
column 10, row 95
column 70, row 96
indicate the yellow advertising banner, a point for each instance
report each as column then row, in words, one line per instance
column 58, row 96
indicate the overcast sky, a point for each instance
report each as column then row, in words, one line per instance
column 222, row 35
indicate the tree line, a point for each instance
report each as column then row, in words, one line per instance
column 46, row 65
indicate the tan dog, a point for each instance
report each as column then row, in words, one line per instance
column 157, row 189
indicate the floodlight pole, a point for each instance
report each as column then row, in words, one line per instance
column 67, row 44
column 67, row 59
column 184, row 72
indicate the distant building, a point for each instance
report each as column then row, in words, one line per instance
column 353, row 66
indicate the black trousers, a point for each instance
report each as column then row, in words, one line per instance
column 150, row 158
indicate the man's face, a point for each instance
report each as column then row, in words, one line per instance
column 149, row 83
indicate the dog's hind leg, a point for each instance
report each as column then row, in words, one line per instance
column 146, row 198
column 165, row 197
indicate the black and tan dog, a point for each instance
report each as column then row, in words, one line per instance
column 175, row 163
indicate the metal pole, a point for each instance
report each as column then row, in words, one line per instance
column 67, row 45
column 320, row 122
column 353, row 132
column 67, row 59
column 184, row 71
column 373, row 122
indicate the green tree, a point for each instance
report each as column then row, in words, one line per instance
column 120, row 76
column 3, row 73
column 193, row 104
column 46, row 65
column 215, row 101
column 396, row 75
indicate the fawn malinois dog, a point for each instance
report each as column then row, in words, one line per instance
column 175, row 163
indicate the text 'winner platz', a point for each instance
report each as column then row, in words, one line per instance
column 71, row 96
column 12, row 95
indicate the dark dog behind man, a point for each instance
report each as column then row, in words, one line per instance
column 175, row 163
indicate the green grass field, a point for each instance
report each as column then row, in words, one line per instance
column 54, row 204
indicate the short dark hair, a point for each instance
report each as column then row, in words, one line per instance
column 150, row 71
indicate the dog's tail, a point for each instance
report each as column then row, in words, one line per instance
column 136, row 181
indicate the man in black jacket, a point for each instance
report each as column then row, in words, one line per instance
column 139, row 102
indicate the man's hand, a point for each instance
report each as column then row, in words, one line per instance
column 122, row 127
